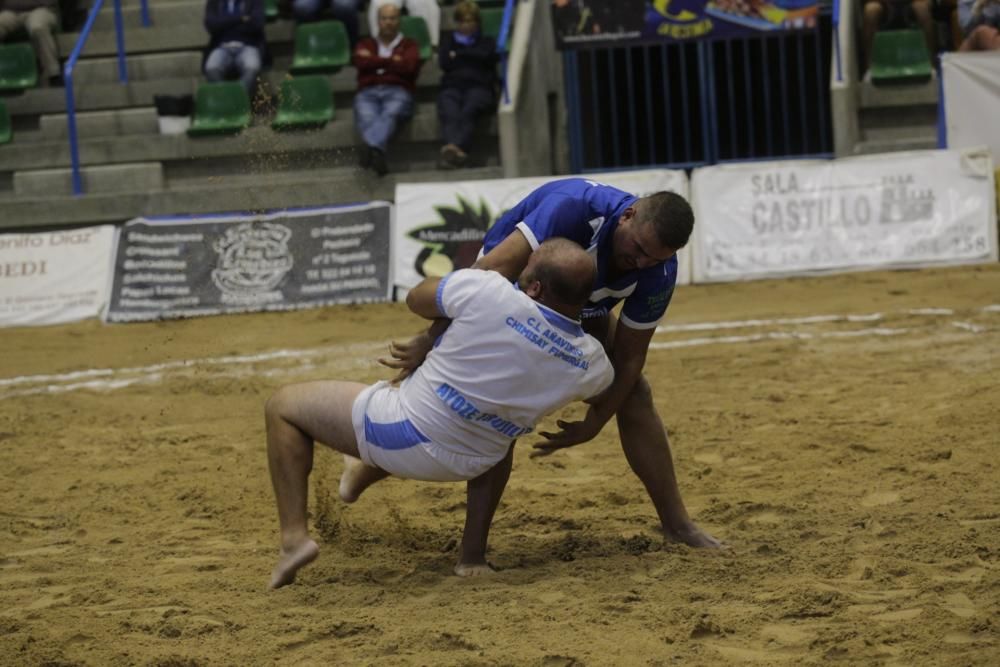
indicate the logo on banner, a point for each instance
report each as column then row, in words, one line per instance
column 453, row 242
column 901, row 202
column 253, row 260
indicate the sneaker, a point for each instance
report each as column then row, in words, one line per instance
column 378, row 162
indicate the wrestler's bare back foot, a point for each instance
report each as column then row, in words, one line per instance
column 354, row 480
column 474, row 570
column 693, row 536
column 291, row 560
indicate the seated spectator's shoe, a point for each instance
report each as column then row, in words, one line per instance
column 447, row 158
column 56, row 81
column 461, row 157
column 365, row 157
column 378, row 162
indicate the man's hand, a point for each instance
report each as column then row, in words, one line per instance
column 364, row 53
column 406, row 357
column 572, row 433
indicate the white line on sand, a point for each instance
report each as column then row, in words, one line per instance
column 116, row 378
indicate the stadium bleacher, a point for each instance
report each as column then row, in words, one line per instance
column 130, row 169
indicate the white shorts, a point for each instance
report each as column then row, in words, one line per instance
column 390, row 441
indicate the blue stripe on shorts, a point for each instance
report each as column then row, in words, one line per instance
column 394, row 435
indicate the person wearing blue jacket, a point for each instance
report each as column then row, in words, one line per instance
column 238, row 44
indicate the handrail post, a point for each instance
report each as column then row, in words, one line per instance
column 70, row 101
column 836, row 39
column 120, row 39
column 71, row 122
column 144, row 7
column 508, row 10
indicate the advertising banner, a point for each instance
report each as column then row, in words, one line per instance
column 54, row 277
column 206, row 265
column 792, row 218
column 588, row 22
column 440, row 226
column 971, row 84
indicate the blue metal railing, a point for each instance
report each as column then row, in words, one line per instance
column 836, row 39
column 508, row 16
column 71, row 64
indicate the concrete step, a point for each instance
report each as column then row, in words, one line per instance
column 142, row 67
column 925, row 141
column 256, row 140
column 114, row 95
column 105, row 179
column 98, row 96
column 90, row 124
column 309, row 188
column 160, row 37
column 176, row 13
column 898, row 96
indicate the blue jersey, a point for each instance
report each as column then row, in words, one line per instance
column 587, row 213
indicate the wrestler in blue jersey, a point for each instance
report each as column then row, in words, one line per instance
column 588, row 213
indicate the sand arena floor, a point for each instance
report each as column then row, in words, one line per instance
column 850, row 461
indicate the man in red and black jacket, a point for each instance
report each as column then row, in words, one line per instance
column 387, row 75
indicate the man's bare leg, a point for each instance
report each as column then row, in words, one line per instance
column 647, row 449
column 482, row 498
column 296, row 416
column 357, row 477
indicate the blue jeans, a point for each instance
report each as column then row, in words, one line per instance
column 245, row 60
column 377, row 111
column 345, row 11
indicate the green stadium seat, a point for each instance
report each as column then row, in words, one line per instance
column 6, row 132
column 415, row 28
column 491, row 19
column 900, row 57
column 18, row 70
column 220, row 108
column 270, row 10
column 304, row 102
column 320, row 47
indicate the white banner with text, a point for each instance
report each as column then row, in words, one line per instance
column 54, row 277
column 797, row 217
column 439, row 227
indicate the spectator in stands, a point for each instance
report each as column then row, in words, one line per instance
column 895, row 15
column 980, row 21
column 387, row 76
column 428, row 10
column 468, row 86
column 345, row 11
column 237, row 43
column 40, row 19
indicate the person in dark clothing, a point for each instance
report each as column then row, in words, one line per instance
column 468, row 61
column 237, row 42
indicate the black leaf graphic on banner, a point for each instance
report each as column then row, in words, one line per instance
column 454, row 241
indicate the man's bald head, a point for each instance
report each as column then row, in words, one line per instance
column 559, row 274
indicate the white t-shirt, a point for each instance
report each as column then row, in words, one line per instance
column 504, row 363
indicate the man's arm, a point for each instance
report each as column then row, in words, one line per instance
column 422, row 299
column 508, row 258
column 628, row 356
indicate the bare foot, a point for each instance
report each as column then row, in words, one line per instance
column 474, row 569
column 693, row 536
column 357, row 477
column 350, row 486
column 291, row 561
